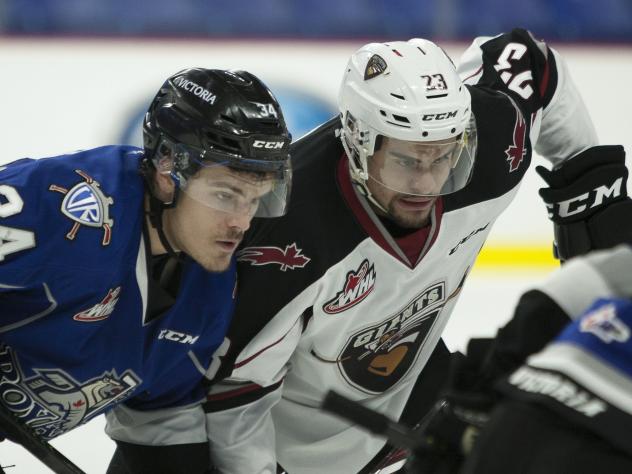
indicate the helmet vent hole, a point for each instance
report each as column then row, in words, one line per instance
column 398, row 96
column 453, row 130
column 422, row 51
column 438, row 96
column 397, row 124
column 401, row 118
column 397, row 53
column 424, row 134
column 270, row 125
column 227, row 118
column 383, row 113
column 231, row 144
column 235, row 77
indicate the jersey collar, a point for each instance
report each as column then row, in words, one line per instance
column 408, row 249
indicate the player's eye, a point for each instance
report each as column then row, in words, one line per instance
column 405, row 162
column 224, row 196
column 442, row 159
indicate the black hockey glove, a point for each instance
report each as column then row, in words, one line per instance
column 530, row 439
column 462, row 412
column 588, row 202
column 451, row 434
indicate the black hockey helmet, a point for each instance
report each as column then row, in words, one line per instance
column 210, row 117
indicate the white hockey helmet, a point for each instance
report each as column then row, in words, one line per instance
column 408, row 91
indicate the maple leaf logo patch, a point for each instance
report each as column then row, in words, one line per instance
column 287, row 259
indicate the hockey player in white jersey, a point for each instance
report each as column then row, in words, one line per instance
column 391, row 204
column 549, row 394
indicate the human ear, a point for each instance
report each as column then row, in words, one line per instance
column 164, row 187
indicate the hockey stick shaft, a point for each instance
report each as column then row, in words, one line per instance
column 41, row 449
column 405, row 440
column 372, row 421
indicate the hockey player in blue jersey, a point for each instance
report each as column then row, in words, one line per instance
column 572, row 401
column 102, row 300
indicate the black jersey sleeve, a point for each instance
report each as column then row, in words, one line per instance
column 536, row 78
column 516, row 63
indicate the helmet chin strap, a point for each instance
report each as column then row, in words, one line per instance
column 156, row 209
column 356, row 176
column 364, row 190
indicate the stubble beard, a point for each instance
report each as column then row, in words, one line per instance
column 408, row 220
column 215, row 265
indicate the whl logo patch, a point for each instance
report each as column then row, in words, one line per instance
column 287, row 259
column 358, row 285
column 100, row 310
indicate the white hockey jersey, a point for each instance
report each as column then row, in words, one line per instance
column 330, row 299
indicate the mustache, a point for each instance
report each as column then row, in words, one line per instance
column 233, row 234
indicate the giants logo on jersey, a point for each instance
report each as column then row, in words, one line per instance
column 85, row 204
column 290, row 258
column 376, row 358
column 358, row 285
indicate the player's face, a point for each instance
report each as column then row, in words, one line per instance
column 406, row 178
column 207, row 234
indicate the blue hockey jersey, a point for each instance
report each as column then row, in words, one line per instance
column 585, row 374
column 75, row 337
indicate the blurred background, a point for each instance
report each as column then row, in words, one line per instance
column 561, row 20
column 76, row 74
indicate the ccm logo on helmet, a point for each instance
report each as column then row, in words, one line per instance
column 195, row 89
column 441, row 116
column 268, row 145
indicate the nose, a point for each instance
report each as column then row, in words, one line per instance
column 421, row 181
column 239, row 220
